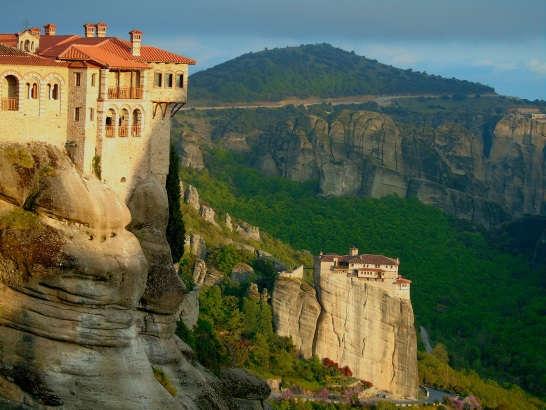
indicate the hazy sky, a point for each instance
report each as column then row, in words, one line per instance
column 498, row 42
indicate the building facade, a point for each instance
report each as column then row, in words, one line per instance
column 106, row 101
column 376, row 270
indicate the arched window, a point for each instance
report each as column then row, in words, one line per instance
column 170, row 81
column 110, row 123
column 34, row 91
column 27, row 45
column 49, row 91
column 180, row 81
column 124, row 123
column 55, row 92
column 10, row 93
column 93, row 80
column 137, row 123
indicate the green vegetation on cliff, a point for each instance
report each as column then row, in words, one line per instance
column 314, row 71
column 486, row 305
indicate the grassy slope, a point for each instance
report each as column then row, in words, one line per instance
column 485, row 305
column 314, row 71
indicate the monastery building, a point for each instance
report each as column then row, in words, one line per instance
column 106, row 101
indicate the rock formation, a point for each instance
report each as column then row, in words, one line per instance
column 476, row 171
column 208, row 214
column 88, row 308
column 354, row 324
column 295, row 313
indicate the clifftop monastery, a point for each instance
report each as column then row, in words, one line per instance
column 106, row 101
column 377, row 270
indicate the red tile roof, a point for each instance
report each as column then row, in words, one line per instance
column 152, row 54
column 109, row 52
column 14, row 56
column 403, row 280
column 364, row 258
column 9, row 40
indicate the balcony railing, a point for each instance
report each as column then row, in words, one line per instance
column 123, row 131
column 125, row 93
column 10, row 104
column 110, row 130
column 136, row 130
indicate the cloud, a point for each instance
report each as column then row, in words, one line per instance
column 537, row 66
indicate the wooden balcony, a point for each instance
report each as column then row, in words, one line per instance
column 136, row 131
column 125, row 93
column 10, row 104
column 110, row 130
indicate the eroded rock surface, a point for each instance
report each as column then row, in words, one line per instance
column 483, row 172
column 354, row 324
column 295, row 313
column 88, row 309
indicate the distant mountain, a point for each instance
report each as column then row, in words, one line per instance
column 319, row 70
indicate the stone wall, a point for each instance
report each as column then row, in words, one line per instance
column 36, row 120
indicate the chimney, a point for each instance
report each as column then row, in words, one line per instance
column 35, row 31
column 101, row 29
column 90, row 30
column 354, row 251
column 136, row 42
column 50, row 29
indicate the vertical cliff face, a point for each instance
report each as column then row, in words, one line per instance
column 295, row 313
column 362, row 327
column 353, row 323
column 484, row 170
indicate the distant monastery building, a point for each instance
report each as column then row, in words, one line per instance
column 106, row 101
column 376, row 270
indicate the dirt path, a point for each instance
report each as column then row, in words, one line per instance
column 359, row 99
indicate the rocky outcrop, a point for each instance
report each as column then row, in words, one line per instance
column 295, row 313
column 354, row 324
column 482, row 169
column 372, row 332
column 208, row 214
column 191, row 197
column 248, row 231
column 88, row 309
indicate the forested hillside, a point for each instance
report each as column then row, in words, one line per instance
column 485, row 304
column 314, row 71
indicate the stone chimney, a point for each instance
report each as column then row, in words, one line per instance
column 90, row 30
column 353, row 251
column 50, row 29
column 136, row 41
column 101, row 29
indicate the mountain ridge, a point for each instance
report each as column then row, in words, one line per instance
column 314, row 70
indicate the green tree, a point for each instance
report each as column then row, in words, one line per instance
column 175, row 225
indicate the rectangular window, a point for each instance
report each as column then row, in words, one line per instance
column 158, row 79
column 91, row 114
column 170, row 80
column 93, row 80
column 181, row 81
column 78, row 79
column 77, row 114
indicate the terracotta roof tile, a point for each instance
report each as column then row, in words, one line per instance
column 13, row 56
column 152, row 54
column 364, row 258
column 109, row 52
column 9, row 40
column 11, row 51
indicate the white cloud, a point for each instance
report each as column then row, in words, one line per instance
column 537, row 66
